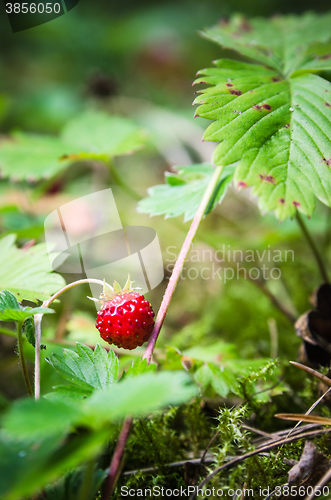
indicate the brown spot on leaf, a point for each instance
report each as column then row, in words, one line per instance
column 282, row 201
column 267, row 178
column 257, row 107
column 326, row 56
column 229, row 84
column 287, row 125
column 275, row 79
column 235, row 92
column 267, row 107
column 296, row 203
column 327, row 104
column 328, row 162
column 241, row 184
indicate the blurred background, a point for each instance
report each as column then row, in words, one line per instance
column 139, row 60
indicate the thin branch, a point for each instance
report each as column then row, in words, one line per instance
column 115, row 465
column 314, row 248
column 323, row 378
column 180, row 262
column 255, row 452
column 208, row 446
column 279, row 305
column 22, row 358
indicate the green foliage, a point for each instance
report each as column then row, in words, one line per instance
column 219, row 370
column 32, row 157
column 139, row 395
column 87, row 368
column 29, row 331
column 69, row 486
column 11, row 310
column 32, row 420
column 35, row 433
column 27, row 273
column 285, row 43
column 183, row 191
column 272, row 119
column 138, row 367
column 90, row 136
column 97, row 135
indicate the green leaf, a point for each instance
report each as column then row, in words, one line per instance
column 88, row 369
column 11, row 310
column 20, row 315
column 32, row 157
column 96, row 134
column 276, row 129
column 29, row 331
column 183, row 192
column 90, row 136
column 138, row 395
column 32, row 420
column 8, row 301
column 27, row 466
column 221, row 379
column 27, row 273
column 68, row 394
column 283, row 43
column 69, row 486
column 138, row 367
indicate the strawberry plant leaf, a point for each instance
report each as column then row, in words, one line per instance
column 138, row 395
column 98, row 135
column 88, row 369
column 276, row 43
column 22, row 314
column 90, row 136
column 29, row 331
column 11, row 310
column 39, row 155
column 273, row 120
column 69, row 394
column 27, row 273
column 30, row 420
column 138, row 367
column 183, row 191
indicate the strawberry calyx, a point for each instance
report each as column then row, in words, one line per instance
column 110, row 292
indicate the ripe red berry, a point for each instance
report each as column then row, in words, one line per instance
column 127, row 319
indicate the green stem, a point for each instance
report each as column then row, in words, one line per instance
column 85, row 489
column 314, row 248
column 121, row 182
column 22, row 358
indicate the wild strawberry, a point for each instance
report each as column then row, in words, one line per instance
column 126, row 319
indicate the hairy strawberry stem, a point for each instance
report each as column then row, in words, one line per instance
column 22, row 358
column 209, row 194
column 37, row 322
column 204, row 207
